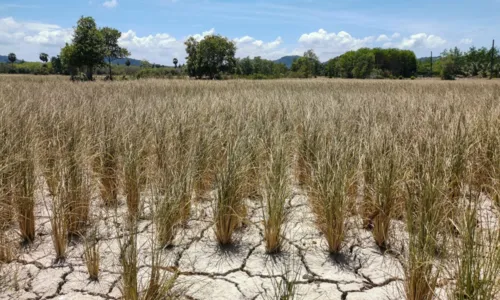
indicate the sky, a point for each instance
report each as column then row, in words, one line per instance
column 156, row 29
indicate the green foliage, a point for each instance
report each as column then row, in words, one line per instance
column 449, row 68
column 12, row 58
column 89, row 46
column 56, row 64
column 395, row 61
column 210, row 57
column 175, row 61
column 127, row 62
column 112, row 50
column 44, row 57
column 331, row 68
column 68, row 59
column 307, row 65
column 259, row 68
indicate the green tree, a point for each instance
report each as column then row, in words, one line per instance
column 363, row 64
column 12, row 58
column 146, row 64
column 89, row 46
column 127, row 62
column 448, row 68
column 210, row 57
column 246, row 66
column 175, row 61
column 112, row 50
column 44, row 57
column 68, row 60
column 315, row 65
column 56, row 64
column 331, row 69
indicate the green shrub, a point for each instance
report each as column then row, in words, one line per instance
column 400, row 77
column 412, row 78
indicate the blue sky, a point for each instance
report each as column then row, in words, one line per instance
column 155, row 29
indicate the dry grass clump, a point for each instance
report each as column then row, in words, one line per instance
column 106, row 163
column 276, row 191
column 59, row 224
column 476, row 253
column 229, row 206
column 91, row 254
column 426, row 205
column 166, row 144
column 332, row 174
column 384, row 196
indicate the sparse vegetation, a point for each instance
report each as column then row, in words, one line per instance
column 420, row 154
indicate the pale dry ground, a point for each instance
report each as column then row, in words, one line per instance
column 243, row 270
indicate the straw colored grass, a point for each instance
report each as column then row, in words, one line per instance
column 376, row 151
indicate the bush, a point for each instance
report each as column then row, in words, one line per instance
column 412, row 78
column 400, row 77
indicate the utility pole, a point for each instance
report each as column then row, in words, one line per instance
column 431, row 63
column 492, row 59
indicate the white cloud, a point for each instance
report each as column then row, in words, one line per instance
column 110, row 3
column 327, row 45
column 422, row 40
column 249, row 46
column 396, row 35
column 27, row 39
column 383, row 38
column 466, row 41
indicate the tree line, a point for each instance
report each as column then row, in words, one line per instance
column 93, row 50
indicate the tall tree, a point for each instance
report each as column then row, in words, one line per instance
column 12, row 58
column 112, row 50
column 192, row 58
column 211, row 56
column 68, row 59
column 56, row 64
column 314, row 62
column 89, row 47
column 44, row 57
column 175, row 62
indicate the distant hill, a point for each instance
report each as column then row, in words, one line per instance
column 5, row 59
column 287, row 60
column 133, row 62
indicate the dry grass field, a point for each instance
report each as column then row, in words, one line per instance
column 282, row 189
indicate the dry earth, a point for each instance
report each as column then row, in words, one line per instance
column 207, row 271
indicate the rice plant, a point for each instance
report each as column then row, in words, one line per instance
column 425, row 208
column 24, row 187
column 59, row 225
column 229, row 206
column 332, row 173
column 385, row 193
column 477, row 255
column 91, row 254
column 276, row 191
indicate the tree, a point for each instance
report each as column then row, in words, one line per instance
column 364, row 60
column 112, row 50
column 314, row 60
column 331, row 69
column 448, row 68
column 145, row 64
column 12, row 58
column 56, row 64
column 127, row 62
column 68, row 59
column 175, row 62
column 44, row 57
column 89, row 46
column 211, row 56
